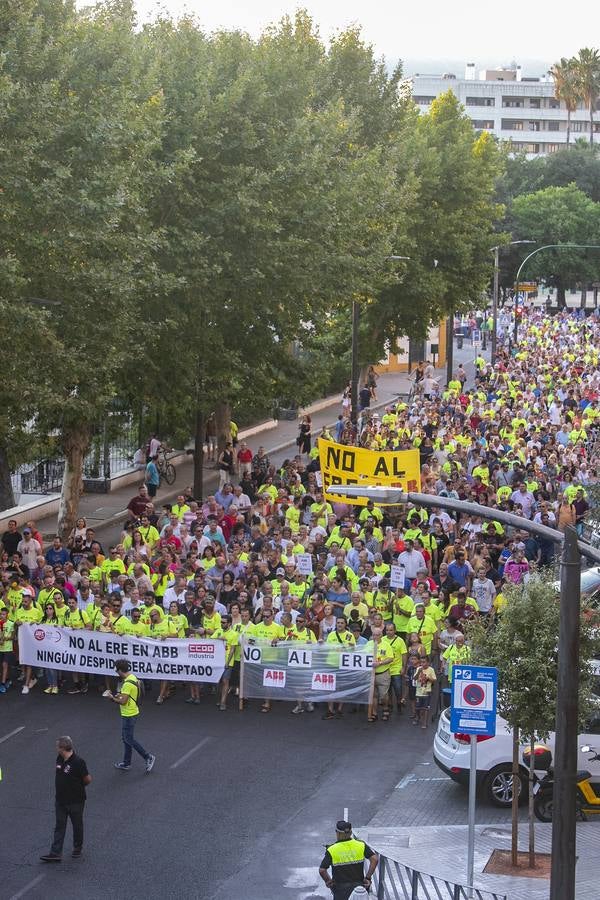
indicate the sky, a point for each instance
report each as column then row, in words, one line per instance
column 437, row 31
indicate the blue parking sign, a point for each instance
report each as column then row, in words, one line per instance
column 473, row 700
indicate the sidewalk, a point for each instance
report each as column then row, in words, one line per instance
column 441, row 851
column 102, row 511
column 105, row 512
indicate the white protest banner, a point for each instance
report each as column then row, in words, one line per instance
column 53, row 647
column 306, row 672
column 304, row 563
column 397, row 576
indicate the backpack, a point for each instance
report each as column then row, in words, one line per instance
column 141, row 690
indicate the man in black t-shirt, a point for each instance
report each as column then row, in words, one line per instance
column 72, row 777
column 11, row 538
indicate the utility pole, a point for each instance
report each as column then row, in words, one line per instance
column 562, row 877
column 495, row 303
column 449, row 346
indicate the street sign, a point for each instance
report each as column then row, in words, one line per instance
column 474, row 690
column 527, row 287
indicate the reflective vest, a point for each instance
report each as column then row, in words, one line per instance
column 346, row 852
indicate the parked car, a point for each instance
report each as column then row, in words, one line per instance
column 451, row 753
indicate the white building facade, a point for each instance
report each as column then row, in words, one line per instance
column 510, row 106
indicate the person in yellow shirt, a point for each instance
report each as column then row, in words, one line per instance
column 422, row 625
column 135, row 626
column 114, row 562
column 458, row 652
column 177, row 620
column 383, row 658
column 398, row 646
column 267, row 631
column 341, row 639
column 27, row 614
column 127, row 698
column 149, row 607
column 231, row 640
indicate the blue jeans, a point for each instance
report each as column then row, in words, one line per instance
column 127, row 727
column 51, row 677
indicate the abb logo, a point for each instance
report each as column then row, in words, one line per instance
column 274, row 678
column 323, row 681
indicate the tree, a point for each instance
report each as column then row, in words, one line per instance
column 75, row 201
column 523, row 647
column 560, row 215
column 587, row 64
column 447, row 213
column 567, row 87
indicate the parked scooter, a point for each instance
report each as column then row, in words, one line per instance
column 587, row 801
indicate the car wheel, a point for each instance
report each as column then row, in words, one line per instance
column 498, row 786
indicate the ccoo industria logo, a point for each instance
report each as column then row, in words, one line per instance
column 52, row 634
column 201, row 651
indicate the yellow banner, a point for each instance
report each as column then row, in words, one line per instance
column 341, row 464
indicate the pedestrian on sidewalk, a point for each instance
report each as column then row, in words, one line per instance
column 128, row 697
column 71, row 780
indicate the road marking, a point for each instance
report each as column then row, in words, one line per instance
column 12, row 734
column 27, row 888
column 190, row 753
column 414, row 779
column 405, row 782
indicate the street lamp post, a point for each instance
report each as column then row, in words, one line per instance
column 496, row 252
column 355, row 368
column 533, row 253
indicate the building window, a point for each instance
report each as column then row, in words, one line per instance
column 553, row 103
column 552, row 126
column 513, row 102
column 511, row 125
column 483, row 124
column 424, row 100
column 535, row 126
column 579, row 126
column 528, row 148
column 534, row 103
column 480, row 101
column 552, row 148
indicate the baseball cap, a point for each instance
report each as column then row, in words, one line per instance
column 280, row 572
column 27, row 531
column 343, row 826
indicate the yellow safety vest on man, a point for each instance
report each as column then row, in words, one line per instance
column 343, row 853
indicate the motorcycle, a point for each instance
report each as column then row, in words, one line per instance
column 587, row 801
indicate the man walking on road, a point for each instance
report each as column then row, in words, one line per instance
column 127, row 698
column 346, row 858
column 72, row 777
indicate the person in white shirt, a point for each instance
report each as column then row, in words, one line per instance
column 483, row 591
column 412, row 560
column 175, row 592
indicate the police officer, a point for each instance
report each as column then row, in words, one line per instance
column 346, row 858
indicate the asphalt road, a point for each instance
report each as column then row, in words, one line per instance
column 238, row 805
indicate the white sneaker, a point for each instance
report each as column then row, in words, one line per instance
column 24, row 689
column 297, row 709
column 107, row 693
column 310, row 707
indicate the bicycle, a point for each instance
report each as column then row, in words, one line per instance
column 166, row 469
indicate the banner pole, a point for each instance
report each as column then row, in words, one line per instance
column 241, row 697
column 371, row 691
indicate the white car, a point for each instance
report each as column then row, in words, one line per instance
column 451, row 752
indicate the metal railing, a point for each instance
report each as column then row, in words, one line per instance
column 395, row 881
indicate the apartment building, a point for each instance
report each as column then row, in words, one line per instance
column 511, row 106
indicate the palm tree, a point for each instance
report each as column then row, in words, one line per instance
column 566, row 87
column 588, row 78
